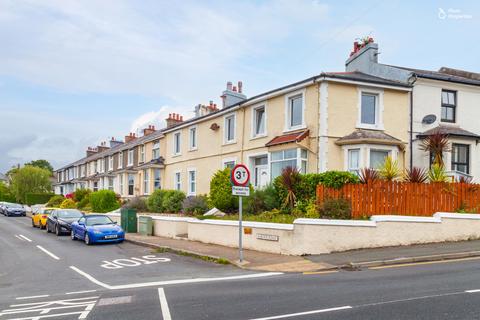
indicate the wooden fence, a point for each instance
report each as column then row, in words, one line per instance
column 404, row 198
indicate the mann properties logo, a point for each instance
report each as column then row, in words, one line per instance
column 453, row 14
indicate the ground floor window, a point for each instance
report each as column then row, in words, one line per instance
column 120, row 183
column 354, row 161
column 295, row 158
column 110, row 184
column 177, row 181
column 156, row 179
column 192, row 182
column 131, row 184
column 95, row 186
column 377, row 157
column 146, row 182
column 229, row 164
column 461, row 157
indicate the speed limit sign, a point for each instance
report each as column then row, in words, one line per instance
column 240, row 175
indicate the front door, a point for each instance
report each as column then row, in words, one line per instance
column 260, row 174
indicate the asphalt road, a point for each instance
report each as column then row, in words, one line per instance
column 48, row 277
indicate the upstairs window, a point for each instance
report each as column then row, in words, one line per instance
column 142, row 153
column 156, row 149
column 130, row 157
column 295, row 111
column 449, row 106
column 176, row 143
column 369, row 109
column 230, row 128
column 120, row 160
column 259, row 121
column 461, row 158
column 193, row 138
column 110, row 163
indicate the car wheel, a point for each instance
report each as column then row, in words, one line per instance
column 57, row 230
column 87, row 239
column 33, row 224
column 72, row 235
column 47, row 228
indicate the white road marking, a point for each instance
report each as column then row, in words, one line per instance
column 80, row 292
column 291, row 315
column 472, row 291
column 33, row 297
column 48, row 252
column 23, row 237
column 114, row 300
column 171, row 282
column 164, row 305
column 16, row 236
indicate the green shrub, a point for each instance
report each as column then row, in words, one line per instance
column 80, row 194
column 172, row 201
column 261, row 200
column 68, row 204
column 104, row 201
column 55, row 201
column 84, row 203
column 37, row 198
column 155, row 201
column 221, row 192
column 194, row 205
column 336, row 209
column 140, row 204
column 337, row 179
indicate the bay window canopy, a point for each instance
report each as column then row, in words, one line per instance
column 366, row 136
column 288, row 138
column 451, row 131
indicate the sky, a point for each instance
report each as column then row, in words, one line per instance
column 76, row 73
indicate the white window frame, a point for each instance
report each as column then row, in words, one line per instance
column 142, row 153
column 226, row 160
column 120, row 160
column 379, row 108
column 110, row 163
column 190, row 191
column 298, row 159
column 175, row 153
column 130, row 157
column 364, row 159
column 179, row 182
column 159, row 179
column 121, row 183
column 288, row 97
column 146, row 181
column 192, row 146
column 354, row 170
column 254, row 134
column 154, row 148
column 111, row 186
column 225, row 131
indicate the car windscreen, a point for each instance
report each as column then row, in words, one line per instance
column 69, row 214
column 15, row 205
column 98, row 220
column 46, row 211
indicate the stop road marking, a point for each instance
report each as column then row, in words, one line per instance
column 132, row 262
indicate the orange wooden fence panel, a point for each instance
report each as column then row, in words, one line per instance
column 404, row 198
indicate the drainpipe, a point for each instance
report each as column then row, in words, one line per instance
column 411, row 81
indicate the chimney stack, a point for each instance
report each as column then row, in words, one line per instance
column 174, row 119
column 114, row 142
column 363, row 56
column 149, row 130
column 91, row 151
column 231, row 95
column 131, row 136
column 102, row 147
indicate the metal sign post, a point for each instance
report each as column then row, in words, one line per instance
column 240, row 177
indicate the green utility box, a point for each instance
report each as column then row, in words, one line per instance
column 129, row 220
column 145, row 225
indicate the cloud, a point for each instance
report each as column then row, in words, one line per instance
column 156, row 118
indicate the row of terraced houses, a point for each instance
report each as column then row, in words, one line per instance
column 331, row 121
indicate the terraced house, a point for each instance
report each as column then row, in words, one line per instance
column 341, row 121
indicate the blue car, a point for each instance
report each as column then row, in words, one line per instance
column 97, row 228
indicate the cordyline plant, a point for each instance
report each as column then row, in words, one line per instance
column 368, row 175
column 436, row 144
column 389, row 169
column 416, row 175
column 437, row 173
column 289, row 178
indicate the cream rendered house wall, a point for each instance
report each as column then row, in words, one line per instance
column 212, row 151
column 343, row 118
column 427, row 100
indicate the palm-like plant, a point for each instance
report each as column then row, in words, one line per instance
column 436, row 144
column 389, row 169
column 289, row 179
column 437, row 173
column 368, row 175
column 416, row 175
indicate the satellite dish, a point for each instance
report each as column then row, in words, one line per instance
column 429, row 119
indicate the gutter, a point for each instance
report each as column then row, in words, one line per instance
column 412, row 81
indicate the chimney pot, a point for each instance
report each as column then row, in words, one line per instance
column 229, row 86
column 234, row 89
column 240, row 85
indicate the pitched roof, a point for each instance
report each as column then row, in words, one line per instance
column 446, row 74
column 359, row 76
column 368, row 136
column 454, row 131
column 288, row 138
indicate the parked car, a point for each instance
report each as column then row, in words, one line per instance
column 39, row 217
column 60, row 220
column 2, row 205
column 97, row 228
column 13, row 209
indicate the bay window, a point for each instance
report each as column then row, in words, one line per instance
column 295, row 158
column 461, row 158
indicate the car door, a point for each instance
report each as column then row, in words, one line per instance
column 50, row 220
column 80, row 228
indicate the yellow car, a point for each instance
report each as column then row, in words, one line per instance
column 39, row 218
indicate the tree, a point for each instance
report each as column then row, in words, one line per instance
column 44, row 164
column 6, row 193
column 30, row 179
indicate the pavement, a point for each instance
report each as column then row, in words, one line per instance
column 43, row 276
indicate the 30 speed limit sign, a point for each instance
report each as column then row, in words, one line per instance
column 240, row 175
